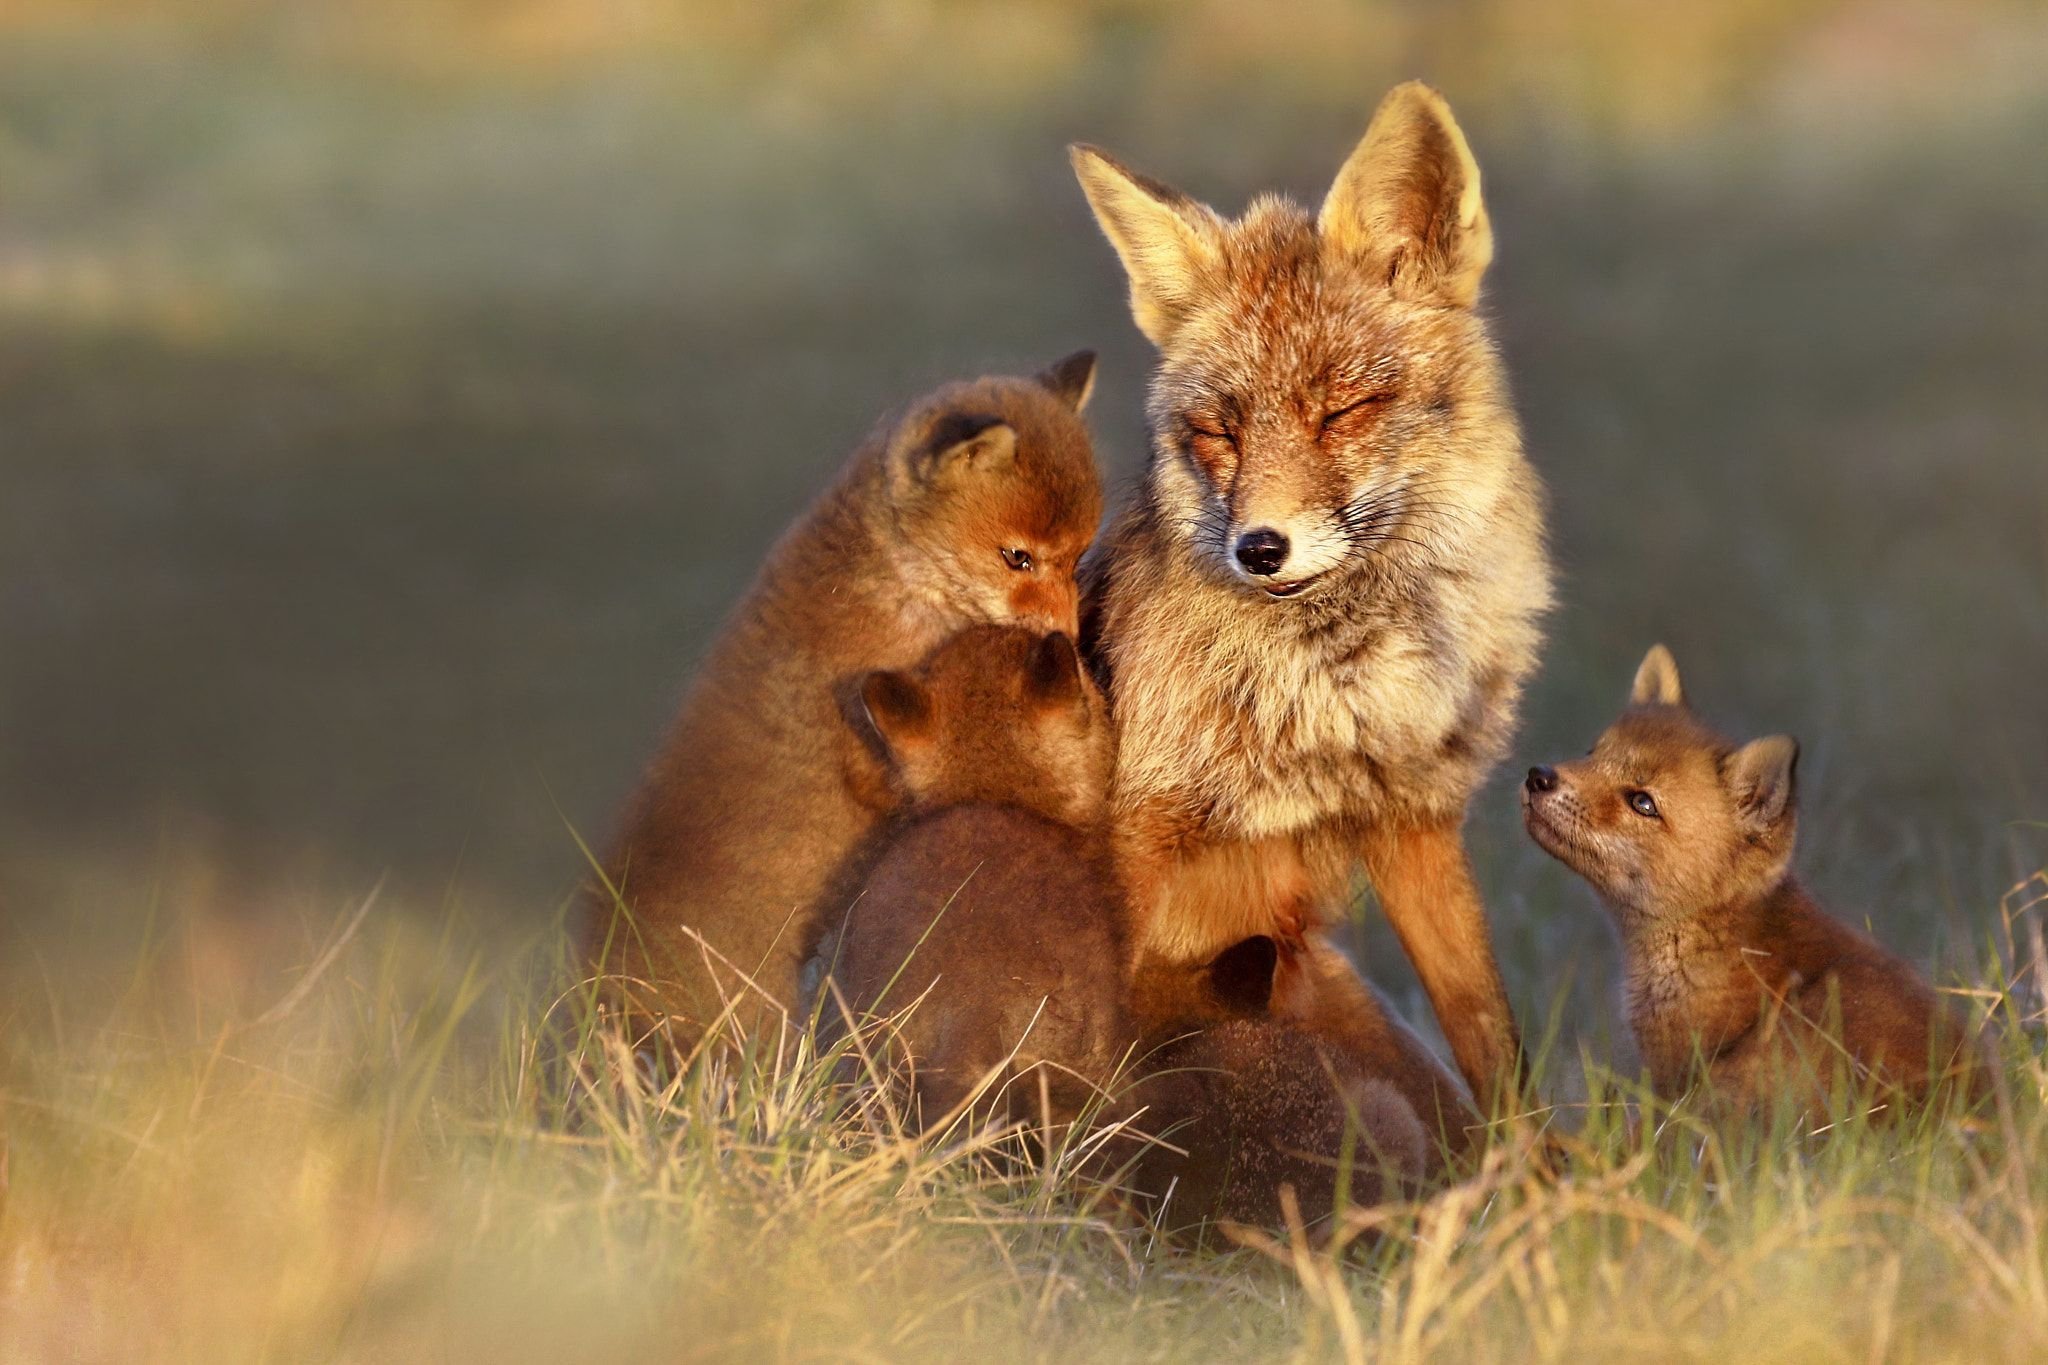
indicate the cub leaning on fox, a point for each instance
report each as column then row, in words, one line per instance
column 982, row 928
column 1316, row 619
column 1733, row 974
column 973, row 507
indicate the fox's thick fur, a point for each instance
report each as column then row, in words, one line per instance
column 1734, row 974
column 1323, row 378
column 761, row 790
column 984, row 919
column 985, row 933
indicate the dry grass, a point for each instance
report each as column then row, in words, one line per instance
column 412, row 1145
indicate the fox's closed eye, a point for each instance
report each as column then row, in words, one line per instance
column 1371, row 400
column 1020, row 560
column 1642, row 804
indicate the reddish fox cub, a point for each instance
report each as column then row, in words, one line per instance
column 1733, row 974
column 973, row 507
column 985, row 921
column 1316, row 618
column 984, row 928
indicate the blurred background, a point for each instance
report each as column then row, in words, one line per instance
column 395, row 393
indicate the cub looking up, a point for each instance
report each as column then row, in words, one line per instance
column 972, row 507
column 1734, row 973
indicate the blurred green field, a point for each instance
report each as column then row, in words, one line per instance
column 393, row 397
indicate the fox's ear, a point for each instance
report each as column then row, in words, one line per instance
column 1167, row 241
column 1054, row 671
column 1072, row 379
column 1657, row 682
column 1761, row 776
column 959, row 441
column 1408, row 201
column 897, row 708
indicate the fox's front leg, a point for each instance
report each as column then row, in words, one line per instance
column 1425, row 885
column 1192, row 896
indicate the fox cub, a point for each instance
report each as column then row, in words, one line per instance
column 1734, row 974
column 986, row 927
column 972, row 507
column 1249, row 1106
column 985, row 921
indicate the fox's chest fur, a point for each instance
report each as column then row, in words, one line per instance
column 1258, row 719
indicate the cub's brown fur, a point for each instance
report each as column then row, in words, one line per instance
column 1248, row 1106
column 973, row 507
column 985, row 921
column 984, row 925
column 1316, row 619
column 1732, row 970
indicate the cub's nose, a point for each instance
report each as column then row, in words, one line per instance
column 1542, row 779
column 1262, row 551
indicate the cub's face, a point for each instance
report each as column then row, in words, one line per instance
column 996, row 714
column 1664, row 817
column 996, row 497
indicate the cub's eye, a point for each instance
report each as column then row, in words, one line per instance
column 1206, row 433
column 1020, row 560
column 1642, row 805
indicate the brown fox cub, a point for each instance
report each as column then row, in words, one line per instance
column 1247, row 1106
column 972, row 507
column 1315, row 620
column 1731, row 968
column 985, row 920
column 985, row 925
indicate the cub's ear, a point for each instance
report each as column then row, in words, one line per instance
column 1241, row 976
column 1657, row 682
column 960, row 441
column 1408, row 201
column 1166, row 240
column 897, row 708
column 1072, row 379
column 1762, row 775
column 1053, row 673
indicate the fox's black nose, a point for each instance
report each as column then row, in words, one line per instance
column 1542, row 779
column 1262, row 551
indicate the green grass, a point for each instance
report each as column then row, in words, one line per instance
column 414, row 1146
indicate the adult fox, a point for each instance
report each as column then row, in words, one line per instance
column 1316, row 618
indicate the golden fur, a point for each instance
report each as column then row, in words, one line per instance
column 984, row 919
column 1732, row 971
column 984, row 924
column 1325, row 380
column 760, row 789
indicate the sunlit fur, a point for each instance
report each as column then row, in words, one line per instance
column 996, row 715
column 1323, row 375
column 761, row 788
column 984, row 918
column 984, row 926
column 1731, row 968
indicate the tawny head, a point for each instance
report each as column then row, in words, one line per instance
column 1323, row 378
column 995, row 495
column 1663, row 816
column 995, row 714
